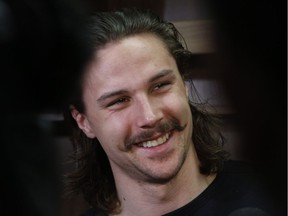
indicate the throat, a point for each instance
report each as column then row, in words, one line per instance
column 159, row 199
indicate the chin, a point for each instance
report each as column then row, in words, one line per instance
column 164, row 175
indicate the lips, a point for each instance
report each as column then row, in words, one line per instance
column 149, row 139
column 155, row 142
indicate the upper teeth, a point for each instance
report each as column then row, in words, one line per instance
column 153, row 143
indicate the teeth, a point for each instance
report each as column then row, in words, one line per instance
column 153, row 143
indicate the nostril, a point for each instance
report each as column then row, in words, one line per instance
column 150, row 120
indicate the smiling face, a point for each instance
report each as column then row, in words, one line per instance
column 137, row 107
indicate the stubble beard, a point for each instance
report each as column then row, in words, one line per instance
column 153, row 176
column 174, row 159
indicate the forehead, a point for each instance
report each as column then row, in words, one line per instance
column 133, row 58
column 142, row 46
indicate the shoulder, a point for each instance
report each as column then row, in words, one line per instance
column 93, row 212
column 237, row 166
column 243, row 178
column 241, row 185
column 235, row 191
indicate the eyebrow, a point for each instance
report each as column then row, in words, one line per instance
column 159, row 75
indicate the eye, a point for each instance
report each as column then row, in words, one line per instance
column 161, row 86
column 119, row 102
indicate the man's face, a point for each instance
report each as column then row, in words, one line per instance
column 136, row 103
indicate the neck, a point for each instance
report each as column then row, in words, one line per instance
column 142, row 198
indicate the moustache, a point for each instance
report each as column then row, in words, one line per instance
column 162, row 127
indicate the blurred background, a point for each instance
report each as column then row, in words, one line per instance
column 240, row 68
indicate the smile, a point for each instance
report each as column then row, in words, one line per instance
column 154, row 143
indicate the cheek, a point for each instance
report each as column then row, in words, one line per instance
column 179, row 105
column 111, row 133
column 184, row 113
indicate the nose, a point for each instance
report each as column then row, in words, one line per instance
column 148, row 113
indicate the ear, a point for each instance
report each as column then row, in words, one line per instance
column 82, row 122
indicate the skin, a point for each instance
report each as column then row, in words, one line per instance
column 133, row 87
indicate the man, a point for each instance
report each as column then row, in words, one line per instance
column 141, row 148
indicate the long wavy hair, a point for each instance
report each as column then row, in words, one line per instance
column 92, row 174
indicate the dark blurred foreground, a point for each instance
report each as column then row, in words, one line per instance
column 41, row 49
column 252, row 50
